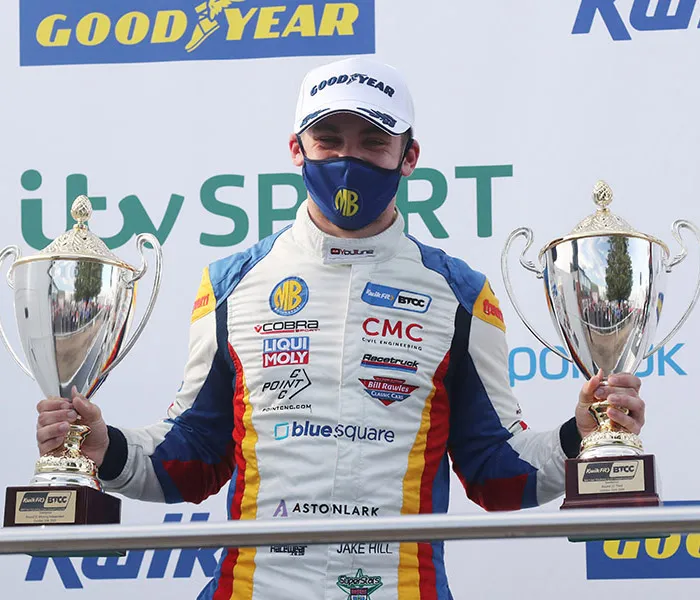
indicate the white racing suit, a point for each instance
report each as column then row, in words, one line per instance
column 336, row 377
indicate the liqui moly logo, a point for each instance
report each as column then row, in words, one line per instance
column 283, row 351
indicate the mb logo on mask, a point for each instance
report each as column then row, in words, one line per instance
column 346, row 202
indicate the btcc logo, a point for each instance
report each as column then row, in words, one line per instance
column 619, row 470
column 64, row 32
column 346, row 202
column 289, row 296
column 32, row 501
column 390, row 297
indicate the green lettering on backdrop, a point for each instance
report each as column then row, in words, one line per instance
column 239, row 217
column 267, row 214
column 135, row 218
column 484, row 189
column 424, row 208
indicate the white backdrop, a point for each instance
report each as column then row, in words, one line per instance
column 501, row 83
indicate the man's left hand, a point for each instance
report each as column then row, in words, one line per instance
column 622, row 391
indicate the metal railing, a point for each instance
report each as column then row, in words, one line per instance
column 579, row 524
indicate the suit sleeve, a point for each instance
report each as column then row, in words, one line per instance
column 189, row 455
column 502, row 463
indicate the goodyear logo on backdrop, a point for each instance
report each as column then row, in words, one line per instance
column 65, row 32
column 672, row 557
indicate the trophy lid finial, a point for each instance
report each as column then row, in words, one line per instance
column 81, row 210
column 602, row 195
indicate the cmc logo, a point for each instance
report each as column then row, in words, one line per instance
column 374, row 327
column 347, row 202
column 660, row 19
column 525, row 363
column 69, row 32
column 131, row 566
column 289, row 296
column 672, row 557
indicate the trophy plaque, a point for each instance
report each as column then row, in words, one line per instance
column 74, row 302
column 604, row 284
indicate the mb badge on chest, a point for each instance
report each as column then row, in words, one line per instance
column 604, row 287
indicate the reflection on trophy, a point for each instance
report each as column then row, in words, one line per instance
column 74, row 302
column 604, row 286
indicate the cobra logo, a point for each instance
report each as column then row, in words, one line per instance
column 289, row 296
column 347, row 202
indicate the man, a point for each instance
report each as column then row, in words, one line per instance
column 335, row 365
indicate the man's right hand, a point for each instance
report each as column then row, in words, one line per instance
column 56, row 414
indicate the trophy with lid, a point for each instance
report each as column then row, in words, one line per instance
column 604, row 285
column 74, row 302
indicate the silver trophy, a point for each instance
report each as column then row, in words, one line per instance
column 604, row 286
column 74, row 302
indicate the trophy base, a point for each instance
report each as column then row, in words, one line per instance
column 611, row 482
column 59, row 505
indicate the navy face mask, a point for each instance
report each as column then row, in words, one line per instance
column 350, row 192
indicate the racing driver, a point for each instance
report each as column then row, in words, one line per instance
column 337, row 368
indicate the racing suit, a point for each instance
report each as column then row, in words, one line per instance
column 333, row 377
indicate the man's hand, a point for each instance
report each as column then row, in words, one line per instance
column 622, row 391
column 56, row 414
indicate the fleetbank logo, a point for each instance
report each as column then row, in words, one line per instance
column 641, row 18
column 131, row 566
column 66, row 32
column 526, row 363
column 672, row 557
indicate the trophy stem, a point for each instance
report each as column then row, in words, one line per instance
column 68, row 465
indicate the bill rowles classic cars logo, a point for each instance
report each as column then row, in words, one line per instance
column 388, row 389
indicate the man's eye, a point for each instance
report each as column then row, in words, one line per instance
column 375, row 142
column 329, row 140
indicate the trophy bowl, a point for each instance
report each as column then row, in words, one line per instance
column 604, row 286
column 74, row 302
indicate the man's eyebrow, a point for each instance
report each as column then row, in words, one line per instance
column 372, row 130
column 324, row 127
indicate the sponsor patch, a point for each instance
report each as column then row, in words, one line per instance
column 389, row 297
column 390, row 363
column 359, row 586
column 487, row 309
column 287, row 327
column 388, row 389
column 287, row 388
column 205, row 302
column 289, row 296
column 285, row 351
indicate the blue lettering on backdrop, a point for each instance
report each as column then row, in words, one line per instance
column 662, row 19
column 129, row 566
column 525, row 364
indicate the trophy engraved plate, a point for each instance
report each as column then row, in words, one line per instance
column 604, row 286
column 74, row 303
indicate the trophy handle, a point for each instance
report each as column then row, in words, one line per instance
column 141, row 240
column 11, row 252
column 676, row 229
column 525, row 232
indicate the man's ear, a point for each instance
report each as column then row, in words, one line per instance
column 295, row 151
column 411, row 159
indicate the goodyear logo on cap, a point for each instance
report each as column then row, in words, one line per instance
column 347, row 202
column 69, row 32
column 289, row 296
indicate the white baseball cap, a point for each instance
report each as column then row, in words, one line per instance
column 356, row 85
